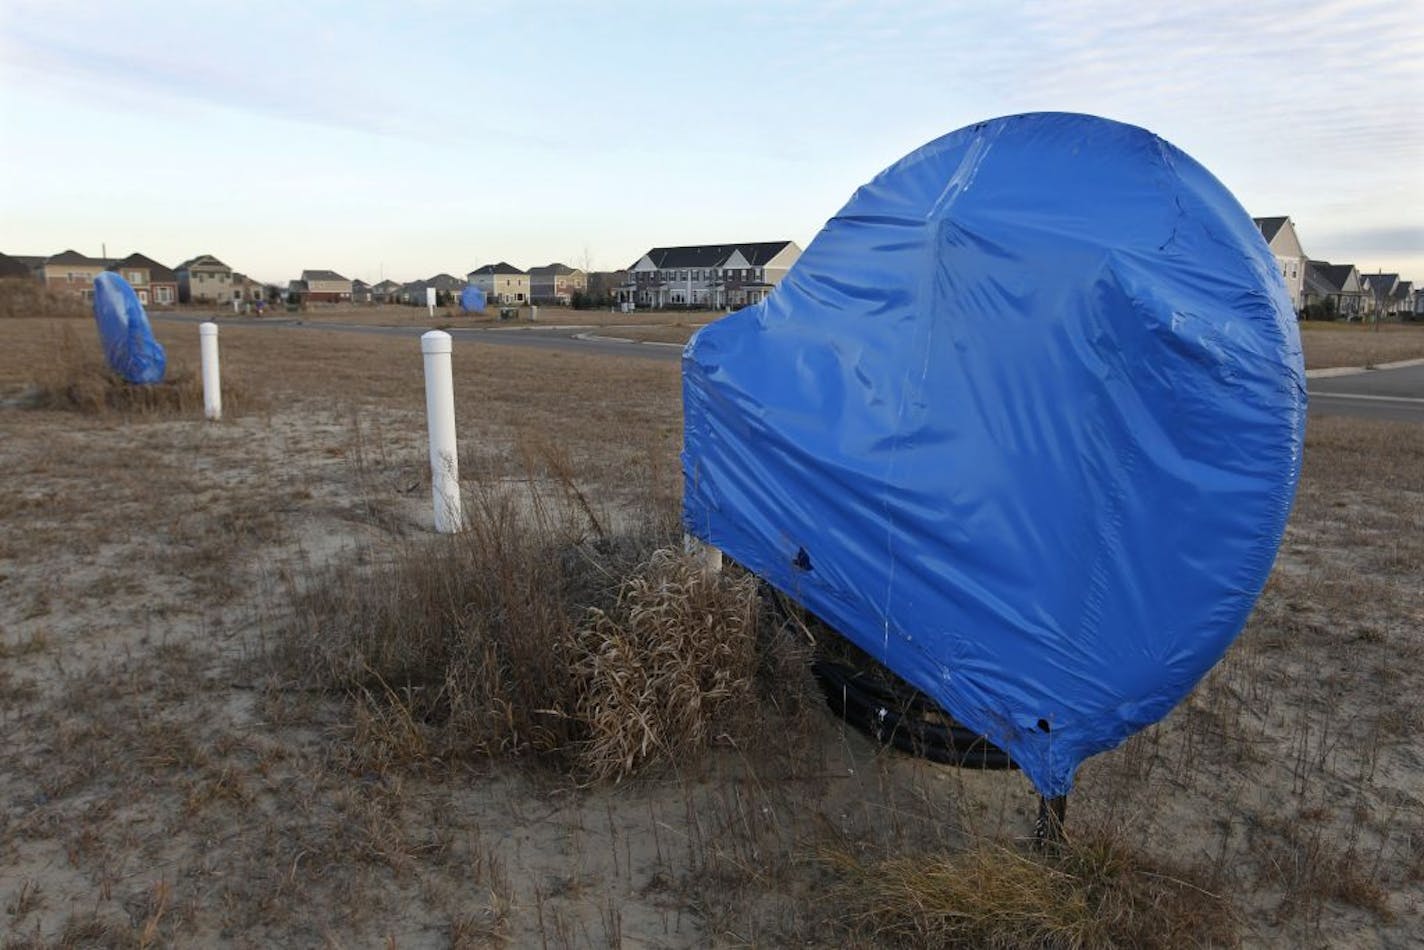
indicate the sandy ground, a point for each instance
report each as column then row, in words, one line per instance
column 159, row 789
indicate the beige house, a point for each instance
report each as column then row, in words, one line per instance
column 708, row 275
column 322, row 286
column 152, row 282
column 71, row 272
column 1285, row 245
column 204, row 279
column 502, row 282
column 556, row 283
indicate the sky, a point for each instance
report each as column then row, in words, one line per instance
column 402, row 140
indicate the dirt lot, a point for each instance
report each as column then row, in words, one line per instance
column 163, row 784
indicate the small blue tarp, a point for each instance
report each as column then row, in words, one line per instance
column 472, row 299
column 124, row 332
column 1024, row 423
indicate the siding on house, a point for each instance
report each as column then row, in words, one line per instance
column 1281, row 238
column 708, row 275
column 502, row 282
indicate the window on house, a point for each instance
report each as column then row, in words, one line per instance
column 142, row 296
column 134, row 277
column 163, row 294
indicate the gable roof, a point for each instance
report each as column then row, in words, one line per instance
column 712, row 255
column 310, row 275
column 552, row 270
column 1379, row 284
column 16, row 266
column 444, row 282
column 386, row 286
column 1404, row 289
column 1270, row 227
column 203, row 260
column 1331, row 278
column 74, row 257
column 501, row 268
column 157, row 273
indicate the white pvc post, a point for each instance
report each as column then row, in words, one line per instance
column 212, row 375
column 707, row 558
column 440, row 416
column 430, row 303
column 533, row 314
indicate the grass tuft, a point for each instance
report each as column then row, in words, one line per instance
column 1093, row 892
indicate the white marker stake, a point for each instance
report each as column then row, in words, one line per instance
column 707, row 558
column 212, row 376
column 430, row 303
column 440, row 416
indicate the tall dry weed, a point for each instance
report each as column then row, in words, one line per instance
column 26, row 297
column 659, row 671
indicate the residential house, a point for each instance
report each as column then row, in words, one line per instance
column 446, row 287
column 18, row 266
column 323, row 286
column 360, row 291
column 152, row 282
column 1403, row 299
column 709, row 275
column 387, row 291
column 556, row 283
column 246, row 289
column 1418, row 303
column 1334, row 287
column 1380, row 291
column 72, row 272
column 204, row 279
column 1285, row 245
column 502, row 282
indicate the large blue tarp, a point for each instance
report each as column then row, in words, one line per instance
column 1024, row 422
column 472, row 299
column 124, row 332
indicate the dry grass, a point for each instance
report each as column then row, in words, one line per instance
column 26, row 297
column 166, row 783
column 1090, row 892
column 668, row 668
column 1355, row 344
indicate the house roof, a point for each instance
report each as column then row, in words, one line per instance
column 74, row 257
column 1329, row 277
column 1379, row 284
column 156, row 272
column 1405, row 288
column 1270, row 226
column 386, row 286
column 202, row 260
column 501, row 268
column 712, row 255
column 444, row 282
column 15, row 266
column 552, row 270
column 310, row 275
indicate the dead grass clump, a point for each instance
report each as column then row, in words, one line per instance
column 522, row 637
column 76, row 378
column 1093, row 892
column 26, row 297
column 659, row 672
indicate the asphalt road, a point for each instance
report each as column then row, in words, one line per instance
column 1394, row 394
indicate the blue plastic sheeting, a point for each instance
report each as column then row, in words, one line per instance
column 472, row 299
column 1024, row 423
column 124, row 332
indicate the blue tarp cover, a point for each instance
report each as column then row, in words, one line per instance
column 124, row 332
column 472, row 299
column 1024, row 422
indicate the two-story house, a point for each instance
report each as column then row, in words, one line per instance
column 502, row 282
column 708, row 275
column 152, row 282
column 1285, row 245
column 1379, row 291
column 322, row 286
column 556, row 283
column 71, row 272
column 1336, row 287
column 387, row 291
column 204, row 279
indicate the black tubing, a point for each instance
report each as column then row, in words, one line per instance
column 896, row 719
